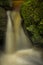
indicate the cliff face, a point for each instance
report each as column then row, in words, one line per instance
column 3, row 24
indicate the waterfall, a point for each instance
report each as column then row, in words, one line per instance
column 15, row 36
column 9, row 35
column 16, row 39
column 21, row 40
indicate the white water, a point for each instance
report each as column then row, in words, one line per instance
column 9, row 36
column 22, row 57
column 15, row 36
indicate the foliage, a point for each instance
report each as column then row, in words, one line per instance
column 32, row 13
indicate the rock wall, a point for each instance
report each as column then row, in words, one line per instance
column 3, row 26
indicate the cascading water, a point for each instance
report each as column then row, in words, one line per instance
column 21, row 40
column 15, row 40
column 9, row 36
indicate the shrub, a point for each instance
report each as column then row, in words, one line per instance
column 32, row 13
